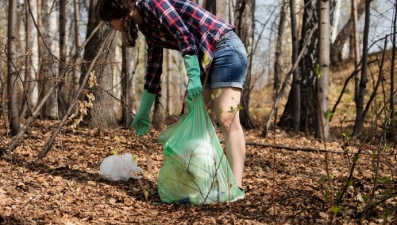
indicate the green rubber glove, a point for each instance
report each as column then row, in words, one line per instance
column 192, row 66
column 141, row 122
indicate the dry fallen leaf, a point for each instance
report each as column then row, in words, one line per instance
column 282, row 187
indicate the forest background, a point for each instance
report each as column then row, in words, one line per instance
column 320, row 88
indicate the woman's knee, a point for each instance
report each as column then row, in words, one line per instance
column 229, row 121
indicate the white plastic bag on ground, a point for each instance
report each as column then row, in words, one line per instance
column 120, row 167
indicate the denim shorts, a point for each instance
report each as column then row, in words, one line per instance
column 229, row 64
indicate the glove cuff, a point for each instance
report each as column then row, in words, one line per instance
column 147, row 100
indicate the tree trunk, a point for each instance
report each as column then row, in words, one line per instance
column 280, row 61
column 32, row 60
column 322, row 128
column 77, row 66
column 210, row 5
column 335, row 22
column 283, row 52
column 13, row 116
column 356, row 47
column 168, row 103
column 126, row 77
column 63, row 104
column 158, row 111
column 358, row 124
column 343, row 36
column 296, row 105
column 392, row 85
column 244, row 19
column 221, row 9
column 101, row 115
column 307, row 78
column 49, row 67
column 231, row 11
column 33, row 97
column 27, row 77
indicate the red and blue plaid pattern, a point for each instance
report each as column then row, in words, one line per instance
column 181, row 25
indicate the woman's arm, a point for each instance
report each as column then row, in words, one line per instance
column 153, row 69
column 172, row 20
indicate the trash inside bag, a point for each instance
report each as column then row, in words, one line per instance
column 195, row 169
column 120, row 167
column 163, row 137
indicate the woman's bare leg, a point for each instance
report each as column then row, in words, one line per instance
column 224, row 104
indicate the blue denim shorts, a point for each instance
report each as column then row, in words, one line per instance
column 229, row 64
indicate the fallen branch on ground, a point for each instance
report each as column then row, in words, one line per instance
column 306, row 149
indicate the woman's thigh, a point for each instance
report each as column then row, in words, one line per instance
column 226, row 107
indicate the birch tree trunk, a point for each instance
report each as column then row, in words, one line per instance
column 13, row 116
column 359, row 121
column 20, row 45
column 32, row 59
column 50, row 65
column 344, row 34
column 296, row 105
column 277, row 61
column 322, row 128
column 77, row 43
column 27, row 76
column 283, row 51
column 244, row 19
column 101, row 115
column 335, row 22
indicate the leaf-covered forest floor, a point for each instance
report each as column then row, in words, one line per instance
column 284, row 185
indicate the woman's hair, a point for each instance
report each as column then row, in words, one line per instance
column 109, row 10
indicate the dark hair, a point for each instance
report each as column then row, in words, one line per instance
column 109, row 10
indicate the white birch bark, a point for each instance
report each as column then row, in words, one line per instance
column 20, row 49
column 69, row 28
column 76, row 44
column 117, row 62
column 33, row 95
column 50, row 22
column 335, row 23
column 323, row 61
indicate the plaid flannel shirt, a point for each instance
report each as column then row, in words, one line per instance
column 181, row 25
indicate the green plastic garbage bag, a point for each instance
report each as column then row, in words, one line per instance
column 195, row 169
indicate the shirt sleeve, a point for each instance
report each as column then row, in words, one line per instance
column 170, row 18
column 154, row 69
